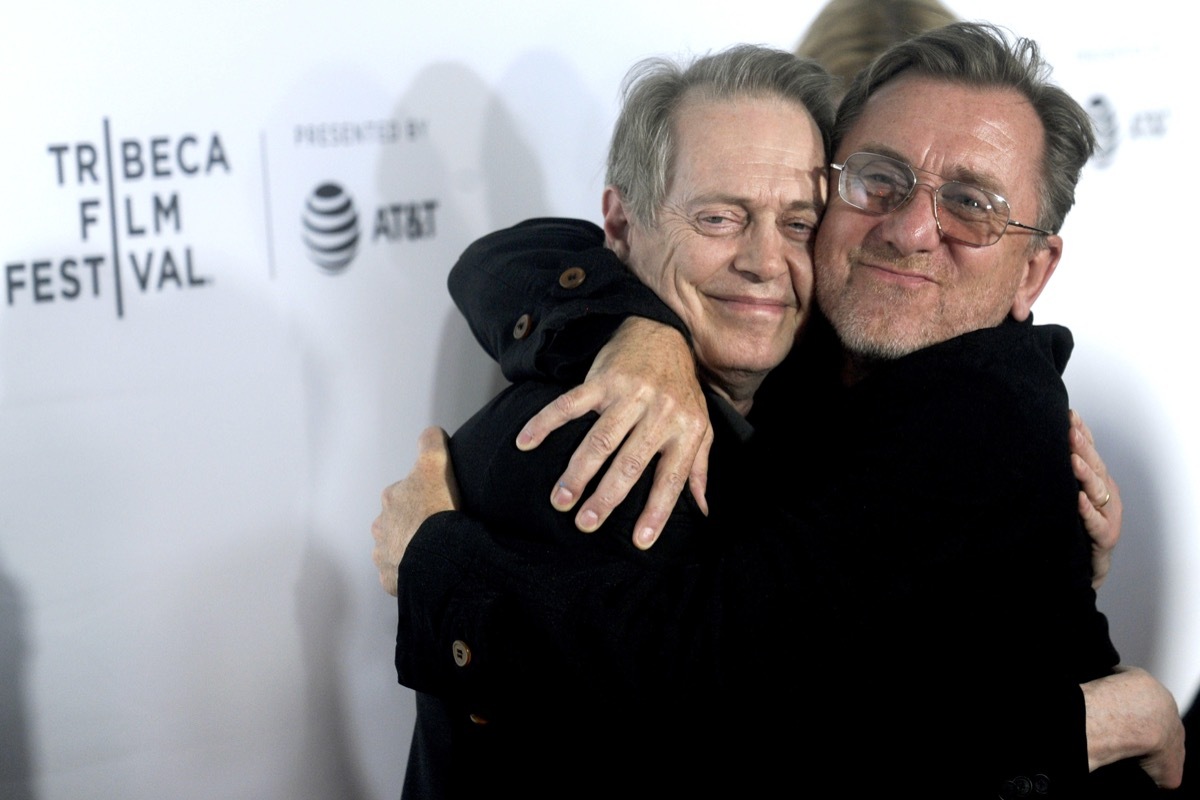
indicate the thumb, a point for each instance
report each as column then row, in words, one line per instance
column 432, row 442
column 433, row 454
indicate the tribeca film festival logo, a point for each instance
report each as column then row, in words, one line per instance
column 119, row 231
column 330, row 222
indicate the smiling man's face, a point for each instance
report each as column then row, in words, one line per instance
column 891, row 284
column 731, row 249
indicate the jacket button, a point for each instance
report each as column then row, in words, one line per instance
column 571, row 277
column 1019, row 786
column 478, row 720
column 462, row 652
column 523, row 326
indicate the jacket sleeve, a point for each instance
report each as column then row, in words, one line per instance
column 543, row 608
column 543, row 296
column 543, row 620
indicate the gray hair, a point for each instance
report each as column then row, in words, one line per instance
column 641, row 157
column 982, row 55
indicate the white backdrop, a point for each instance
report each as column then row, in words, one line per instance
column 197, row 418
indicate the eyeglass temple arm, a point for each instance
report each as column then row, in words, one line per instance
column 1016, row 224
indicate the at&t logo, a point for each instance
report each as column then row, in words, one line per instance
column 330, row 227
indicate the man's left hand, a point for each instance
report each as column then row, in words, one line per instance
column 1099, row 498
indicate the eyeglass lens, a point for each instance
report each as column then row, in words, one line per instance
column 881, row 185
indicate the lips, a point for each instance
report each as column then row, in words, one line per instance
column 894, row 274
column 754, row 306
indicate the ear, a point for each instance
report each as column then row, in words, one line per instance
column 1038, row 269
column 616, row 223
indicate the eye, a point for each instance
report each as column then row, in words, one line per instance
column 719, row 222
column 881, row 184
column 801, row 228
column 969, row 202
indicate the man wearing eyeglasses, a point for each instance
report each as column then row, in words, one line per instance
column 937, row 451
column 887, row 298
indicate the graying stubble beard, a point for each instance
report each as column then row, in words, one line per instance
column 852, row 326
column 867, row 349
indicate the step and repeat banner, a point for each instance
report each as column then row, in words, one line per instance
column 201, row 399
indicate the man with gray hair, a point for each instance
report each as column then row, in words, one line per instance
column 924, row 448
column 726, row 244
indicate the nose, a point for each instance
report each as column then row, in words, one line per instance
column 763, row 256
column 913, row 226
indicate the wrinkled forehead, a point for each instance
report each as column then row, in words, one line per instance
column 749, row 136
column 703, row 103
column 988, row 136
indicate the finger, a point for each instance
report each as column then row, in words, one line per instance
column 662, row 499
column 1090, row 482
column 1093, row 520
column 675, row 469
column 1081, row 426
column 1077, row 423
column 377, row 526
column 1092, row 474
column 433, row 451
column 670, row 476
column 602, row 440
column 1099, row 528
column 1099, row 506
column 388, row 576
column 431, row 484
column 389, row 579
column 568, row 406
column 698, row 477
column 623, row 472
column 432, row 442
column 1083, row 444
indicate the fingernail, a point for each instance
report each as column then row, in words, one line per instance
column 524, row 439
column 645, row 537
column 562, row 498
column 587, row 521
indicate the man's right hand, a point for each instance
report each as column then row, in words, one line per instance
column 1132, row 715
column 644, row 385
column 428, row 489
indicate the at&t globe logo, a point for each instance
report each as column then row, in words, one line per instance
column 330, row 227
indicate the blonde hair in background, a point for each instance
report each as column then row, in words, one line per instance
column 847, row 34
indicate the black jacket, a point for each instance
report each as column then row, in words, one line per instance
column 893, row 588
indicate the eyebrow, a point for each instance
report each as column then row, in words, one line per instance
column 959, row 174
column 743, row 202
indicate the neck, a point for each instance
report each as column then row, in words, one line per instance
column 855, row 367
column 737, row 388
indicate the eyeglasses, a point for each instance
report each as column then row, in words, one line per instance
column 963, row 212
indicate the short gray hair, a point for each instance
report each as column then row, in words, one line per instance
column 641, row 157
column 984, row 56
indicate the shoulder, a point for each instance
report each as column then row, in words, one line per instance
column 996, row 393
column 1013, row 358
column 488, row 437
column 1016, row 344
column 544, row 236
